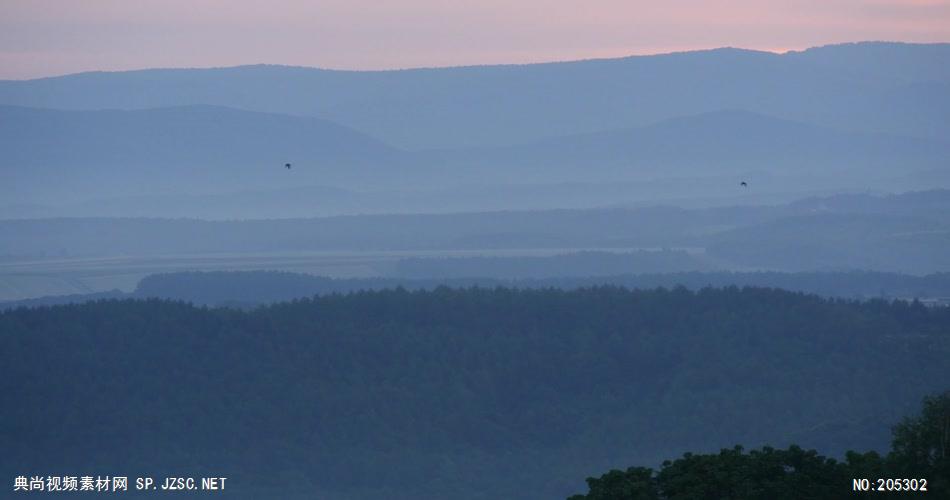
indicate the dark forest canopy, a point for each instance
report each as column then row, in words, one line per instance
column 918, row 463
column 257, row 287
column 253, row 288
column 454, row 393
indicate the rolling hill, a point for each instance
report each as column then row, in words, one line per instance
column 178, row 149
column 724, row 142
column 124, row 162
column 878, row 87
column 454, row 393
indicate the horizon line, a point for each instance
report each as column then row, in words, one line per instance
column 774, row 51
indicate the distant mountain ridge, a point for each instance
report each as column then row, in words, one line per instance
column 53, row 154
column 717, row 142
column 852, row 86
column 216, row 133
column 198, row 147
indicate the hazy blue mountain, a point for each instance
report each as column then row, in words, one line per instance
column 716, row 143
column 157, row 162
column 894, row 61
column 177, row 149
column 883, row 87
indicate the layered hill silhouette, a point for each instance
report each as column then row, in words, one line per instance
column 714, row 143
column 878, row 87
column 865, row 116
column 198, row 146
column 168, row 136
column 209, row 150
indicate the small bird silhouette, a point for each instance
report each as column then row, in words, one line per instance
column 743, row 184
column 287, row 166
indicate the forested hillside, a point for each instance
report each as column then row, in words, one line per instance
column 253, row 288
column 918, row 463
column 454, row 393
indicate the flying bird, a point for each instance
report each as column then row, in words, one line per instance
column 287, row 166
column 743, row 183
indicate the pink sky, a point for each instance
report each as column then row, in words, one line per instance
column 52, row 37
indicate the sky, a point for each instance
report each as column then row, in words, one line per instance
column 53, row 37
